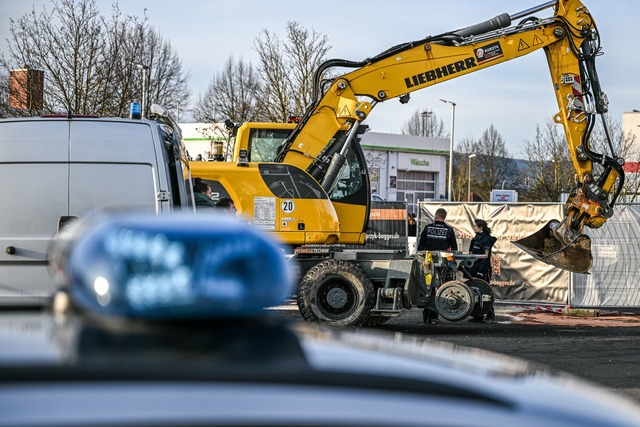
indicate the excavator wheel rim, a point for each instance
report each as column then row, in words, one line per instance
column 454, row 301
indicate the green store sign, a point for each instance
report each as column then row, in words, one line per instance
column 418, row 162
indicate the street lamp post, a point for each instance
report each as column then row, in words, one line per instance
column 425, row 122
column 143, row 100
column 453, row 121
column 471, row 156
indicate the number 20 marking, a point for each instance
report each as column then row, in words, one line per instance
column 288, row 206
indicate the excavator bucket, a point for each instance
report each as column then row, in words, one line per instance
column 544, row 245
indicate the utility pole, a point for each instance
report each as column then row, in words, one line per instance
column 471, row 156
column 453, row 122
column 425, row 123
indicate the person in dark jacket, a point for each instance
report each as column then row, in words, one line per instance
column 202, row 195
column 482, row 243
column 226, row 205
column 412, row 226
column 438, row 236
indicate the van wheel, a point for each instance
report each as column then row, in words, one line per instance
column 336, row 292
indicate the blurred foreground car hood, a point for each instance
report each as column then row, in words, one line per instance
column 64, row 370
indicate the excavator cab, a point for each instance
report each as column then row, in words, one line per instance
column 287, row 200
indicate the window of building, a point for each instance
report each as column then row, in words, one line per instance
column 374, row 175
column 414, row 186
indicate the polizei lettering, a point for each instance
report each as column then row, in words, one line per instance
column 438, row 73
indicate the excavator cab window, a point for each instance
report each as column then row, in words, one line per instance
column 352, row 180
column 264, row 144
column 288, row 182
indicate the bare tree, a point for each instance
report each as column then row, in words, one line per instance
column 167, row 81
column 460, row 182
column 623, row 146
column 89, row 60
column 231, row 94
column 286, row 70
column 375, row 160
column 547, row 171
column 424, row 123
column 121, row 46
column 491, row 166
column 68, row 52
column 460, row 173
column 5, row 111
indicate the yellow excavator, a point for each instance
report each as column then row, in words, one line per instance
column 310, row 184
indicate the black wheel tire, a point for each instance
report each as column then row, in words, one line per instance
column 454, row 301
column 336, row 292
column 485, row 294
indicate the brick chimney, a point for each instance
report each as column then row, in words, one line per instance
column 26, row 89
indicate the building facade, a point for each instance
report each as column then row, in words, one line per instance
column 631, row 125
column 406, row 167
column 201, row 139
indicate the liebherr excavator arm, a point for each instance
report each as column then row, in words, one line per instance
column 571, row 42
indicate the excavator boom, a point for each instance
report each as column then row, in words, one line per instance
column 324, row 144
column 571, row 42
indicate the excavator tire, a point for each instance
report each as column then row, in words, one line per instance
column 336, row 292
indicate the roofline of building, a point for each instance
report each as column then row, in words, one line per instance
column 404, row 149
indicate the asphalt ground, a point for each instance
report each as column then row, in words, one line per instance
column 602, row 349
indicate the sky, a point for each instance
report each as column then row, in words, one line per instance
column 514, row 97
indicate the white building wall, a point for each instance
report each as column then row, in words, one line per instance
column 407, row 153
column 198, row 136
column 631, row 124
column 435, row 163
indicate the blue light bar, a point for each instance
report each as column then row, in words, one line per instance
column 169, row 267
column 135, row 110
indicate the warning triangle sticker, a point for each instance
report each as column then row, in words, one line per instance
column 345, row 111
column 537, row 40
column 523, row 45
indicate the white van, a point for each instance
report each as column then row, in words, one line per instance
column 55, row 169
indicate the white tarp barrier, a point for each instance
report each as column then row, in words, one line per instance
column 614, row 278
column 615, row 275
column 517, row 276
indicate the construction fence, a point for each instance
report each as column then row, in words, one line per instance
column 614, row 278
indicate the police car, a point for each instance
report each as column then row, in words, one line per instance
column 160, row 320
